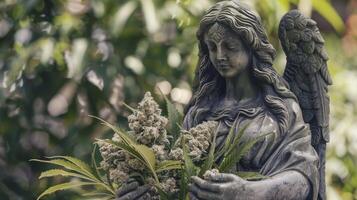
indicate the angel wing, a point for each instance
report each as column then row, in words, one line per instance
column 308, row 77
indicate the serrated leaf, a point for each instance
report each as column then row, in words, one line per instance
column 190, row 168
column 162, row 193
column 237, row 153
column 148, row 156
column 94, row 162
column 63, row 163
column 140, row 152
column 63, row 186
column 70, row 166
column 236, row 140
column 101, row 198
column 60, row 172
column 124, row 136
column 174, row 119
column 98, row 195
column 169, row 165
column 183, row 184
column 82, row 165
column 121, row 145
column 228, row 141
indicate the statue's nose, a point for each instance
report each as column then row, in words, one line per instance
column 221, row 55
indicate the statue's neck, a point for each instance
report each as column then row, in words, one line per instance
column 240, row 87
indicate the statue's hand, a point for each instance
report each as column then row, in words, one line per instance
column 219, row 186
column 132, row 190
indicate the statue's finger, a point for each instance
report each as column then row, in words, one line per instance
column 213, row 187
column 194, row 189
column 130, row 180
column 202, row 194
column 193, row 196
column 136, row 193
column 146, row 196
column 127, row 188
column 222, row 177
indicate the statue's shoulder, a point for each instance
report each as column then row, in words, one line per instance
column 293, row 108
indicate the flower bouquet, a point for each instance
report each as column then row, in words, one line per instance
column 156, row 151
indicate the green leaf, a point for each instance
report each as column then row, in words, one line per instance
column 98, row 195
column 82, row 165
column 129, row 107
column 236, row 140
column 101, row 198
column 94, row 162
column 174, row 118
column 228, row 141
column 63, row 186
column 66, row 164
column 140, row 152
column 237, row 153
column 190, row 168
column 251, row 176
column 124, row 136
column 169, row 165
column 95, row 193
column 61, row 172
column 162, row 193
column 148, row 156
column 325, row 8
column 71, row 166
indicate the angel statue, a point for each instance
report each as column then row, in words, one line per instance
column 236, row 85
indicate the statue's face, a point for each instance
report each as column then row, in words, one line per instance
column 227, row 51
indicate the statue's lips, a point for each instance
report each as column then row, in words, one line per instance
column 224, row 66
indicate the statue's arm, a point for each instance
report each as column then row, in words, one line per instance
column 286, row 185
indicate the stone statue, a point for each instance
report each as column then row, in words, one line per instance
column 235, row 84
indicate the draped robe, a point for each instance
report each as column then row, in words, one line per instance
column 277, row 152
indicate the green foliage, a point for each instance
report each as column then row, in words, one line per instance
column 74, row 168
column 234, row 150
column 324, row 8
column 63, row 186
column 175, row 119
column 140, row 152
column 168, row 165
column 190, row 168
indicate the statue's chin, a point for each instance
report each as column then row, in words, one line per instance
column 228, row 74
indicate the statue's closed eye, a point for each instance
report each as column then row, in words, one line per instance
column 232, row 47
column 212, row 46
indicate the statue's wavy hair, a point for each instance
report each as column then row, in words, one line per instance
column 208, row 85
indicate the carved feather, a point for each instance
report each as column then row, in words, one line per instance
column 307, row 74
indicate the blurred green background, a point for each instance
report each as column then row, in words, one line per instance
column 61, row 60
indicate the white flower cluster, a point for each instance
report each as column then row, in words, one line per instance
column 198, row 140
column 169, row 184
column 148, row 127
column 117, row 162
column 209, row 173
column 147, row 123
